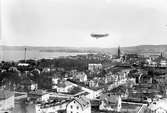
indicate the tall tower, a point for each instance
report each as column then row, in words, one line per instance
column 119, row 52
column 25, row 52
column 161, row 55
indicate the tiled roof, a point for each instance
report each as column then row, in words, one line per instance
column 64, row 84
column 112, row 98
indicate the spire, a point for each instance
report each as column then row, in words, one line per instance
column 25, row 54
column 161, row 55
column 119, row 52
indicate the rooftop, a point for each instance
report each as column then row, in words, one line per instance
column 64, row 84
column 38, row 92
column 83, row 101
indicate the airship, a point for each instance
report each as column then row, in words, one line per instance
column 97, row 36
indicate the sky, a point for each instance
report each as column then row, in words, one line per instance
column 70, row 22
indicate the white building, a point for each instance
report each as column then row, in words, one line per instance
column 55, row 81
column 23, row 64
column 94, row 67
column 6, row 101
column 79, row 105
column 163, row 63
column 159, row 106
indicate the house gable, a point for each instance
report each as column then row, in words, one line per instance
column 74, row 106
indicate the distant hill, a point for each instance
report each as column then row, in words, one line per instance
column 141, row 49
column 147, row 49
column 61, row 49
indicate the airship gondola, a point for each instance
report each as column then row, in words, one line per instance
column 99, row 35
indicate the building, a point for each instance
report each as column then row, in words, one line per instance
column 81, row 76
column 163, row 63
column 13, row 69
column 123, row 74
column 46, row 70
column 23, row 64
column 38, row 95
column 36, row 71
column 159, row 106
column 28, row 85
column 6, row 101
column 94, row 67
column 111, row 103
column 130, row 58
column 65, row 87
column 79, row 105
column 55, row 81
column 93, row 83
column 157, row 61
column 52, row 107
column 154, row 57
column 111, row 78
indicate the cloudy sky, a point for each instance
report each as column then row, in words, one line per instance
column 70, row 22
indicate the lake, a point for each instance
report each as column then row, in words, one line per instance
column 15, row 55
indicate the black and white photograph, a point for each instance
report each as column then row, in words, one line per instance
column 83, row 56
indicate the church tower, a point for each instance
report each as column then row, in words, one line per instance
column 161, row 55
column 119, row 52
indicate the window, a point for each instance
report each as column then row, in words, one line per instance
column 154, row 102
column 71, row 106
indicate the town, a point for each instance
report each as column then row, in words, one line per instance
column 91, row 83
